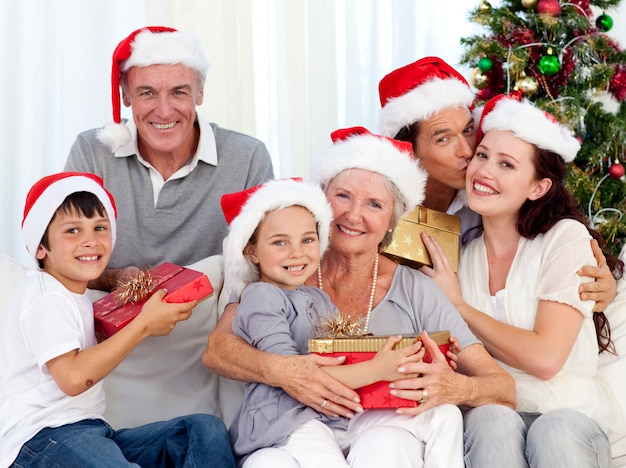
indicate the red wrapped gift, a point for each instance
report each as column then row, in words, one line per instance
column 112, row 312
column 362, row 348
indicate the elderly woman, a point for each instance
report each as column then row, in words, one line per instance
column 367, row 196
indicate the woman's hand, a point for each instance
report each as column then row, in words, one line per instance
column 441, row 272
column 302, row 378
column 604, row 289
column 436, row 383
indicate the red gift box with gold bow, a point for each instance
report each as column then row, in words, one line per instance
column 118, row 308
column 363, row 348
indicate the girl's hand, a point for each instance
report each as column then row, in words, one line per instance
column 388, row 362
column 455, row 349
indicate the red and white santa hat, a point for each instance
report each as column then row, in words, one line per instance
column 419, row 90
column 45, row 197
column 151, row 45
column 358, row 148
column 245, row 210
column 529, row 123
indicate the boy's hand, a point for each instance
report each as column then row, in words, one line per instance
column 388, row 361
column 159, row 317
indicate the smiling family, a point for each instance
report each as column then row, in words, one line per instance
column 527, row 312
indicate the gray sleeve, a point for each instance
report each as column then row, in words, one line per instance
column 82, row 155
column 436, row 312
column 262, row 321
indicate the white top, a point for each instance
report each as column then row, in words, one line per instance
column 43, row 320
column 544, row 268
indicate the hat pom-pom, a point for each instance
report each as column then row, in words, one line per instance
column 114, row 136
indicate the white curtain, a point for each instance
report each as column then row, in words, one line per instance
column 286, row 71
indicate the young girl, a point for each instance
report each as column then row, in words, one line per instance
column 274, row 245
column 519, row 294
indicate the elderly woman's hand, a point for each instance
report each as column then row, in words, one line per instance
column 437, row 382
column 302, row 378
column 441, row 272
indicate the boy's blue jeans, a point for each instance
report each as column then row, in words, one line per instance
column 198, row 440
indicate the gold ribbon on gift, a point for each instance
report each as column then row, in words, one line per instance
column 368, row 343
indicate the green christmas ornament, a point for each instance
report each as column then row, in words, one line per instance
column 549, row 65
column 485, row 64
column 604, row 22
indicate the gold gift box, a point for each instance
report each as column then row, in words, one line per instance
column 407, row 246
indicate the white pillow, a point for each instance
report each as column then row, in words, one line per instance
column 10, row 274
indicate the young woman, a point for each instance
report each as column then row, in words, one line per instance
column 517, row 289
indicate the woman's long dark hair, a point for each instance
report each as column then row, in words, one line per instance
column 539, row 216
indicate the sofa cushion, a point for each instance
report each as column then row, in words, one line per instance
column 10, row 274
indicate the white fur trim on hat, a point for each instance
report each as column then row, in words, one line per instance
column 375, row 154
column 239, row 271
column 166, row 48
column 532, row 125
column 423, row 102
column 41, row 211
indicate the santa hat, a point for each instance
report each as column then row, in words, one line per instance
column 152, row 45
column 357, row 148
column 45, row 197
column 245, row 210
column 419, row 90
column 529, row 123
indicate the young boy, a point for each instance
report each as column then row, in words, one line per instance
column 51, row 366
column 277, row 235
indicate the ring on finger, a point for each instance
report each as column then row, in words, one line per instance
column 424, row 396
column 324, row 403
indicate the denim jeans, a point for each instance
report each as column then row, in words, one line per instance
column 198, row 440
column 495, row 435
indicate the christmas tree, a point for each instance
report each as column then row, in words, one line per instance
column 558, row 55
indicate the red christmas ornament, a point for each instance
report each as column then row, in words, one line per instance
column 616, row 170
column 552, row 7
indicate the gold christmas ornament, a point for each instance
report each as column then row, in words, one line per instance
column 484, row 6
column 527, row 85
column 528, row 4
column 478, row 79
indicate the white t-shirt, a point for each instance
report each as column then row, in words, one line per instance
column 43, row 320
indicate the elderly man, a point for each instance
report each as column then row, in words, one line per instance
column 167, row 169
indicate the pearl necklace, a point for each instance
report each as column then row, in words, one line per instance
column 372, row 292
